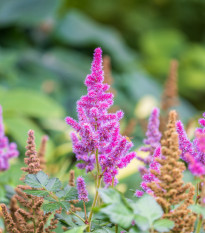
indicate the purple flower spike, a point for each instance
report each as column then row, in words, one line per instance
column 7, row 150
column 97, row 130
column 153, row 136
column 147, row 176
column 82, row 191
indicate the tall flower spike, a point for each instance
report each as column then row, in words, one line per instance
column 153, row 136
column 170, row 191
column 170, row 94
column 7, row 150
column 82, row 191
column 96, row 133
column 42, row 151
column 32, row 160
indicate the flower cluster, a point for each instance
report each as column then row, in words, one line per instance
column 153, row 136
column 97, row 138
column 193, row 152
column 149, row 176
column 7, row 150
column 82, row 191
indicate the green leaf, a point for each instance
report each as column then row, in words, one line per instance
column 65, row 205
column 142, row 222
column 198, row 209
column 51, row 207
column 119, row 214
column 19, row 126
column 53, row 184
column 109, row 195
column 32, row 181
column 26, row 12
column 70, row 193
column 163, row 225
column 76, row 230
column 38, row 193
column 35, row 104
column 148, row 208
column 42, row 178
column 76, row 28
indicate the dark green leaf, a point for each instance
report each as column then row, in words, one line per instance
column 42, row 178
column 76, row 230
column 38, row 193
column 51, row 207
column 70, row 193
column 32, row 181
column 53, row 184
column 163, row 225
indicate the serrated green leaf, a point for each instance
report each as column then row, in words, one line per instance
column 38, row 193
column 142, row 222
column 32, row 181
column 147, row 207
column 109, row 195
column 70, row 193
column 76, row 230
column 65, row 205
column 51, row 207
column 53, row 184
column 42, row 177
column 163, row 225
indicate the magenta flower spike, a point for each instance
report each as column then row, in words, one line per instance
column 7, row 150
column 148, row 176
column 82, row 191
column 97, row 130
column 153, row 136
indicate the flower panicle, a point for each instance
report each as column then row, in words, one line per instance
column 7, row 150
column 82, row 191
column 153, row 136
column 97, row 129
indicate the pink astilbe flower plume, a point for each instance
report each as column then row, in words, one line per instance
column 148, row 176
column 153, row 136
column 7, row 150
column 193, row 152
column 97, row 131
column 82, row 191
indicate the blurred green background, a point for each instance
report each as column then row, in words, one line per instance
column 46, row 50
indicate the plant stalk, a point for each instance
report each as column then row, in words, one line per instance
column 198, row 228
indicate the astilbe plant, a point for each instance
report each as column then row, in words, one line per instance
column 170, row 191
column 7, row 150
column 25, row 214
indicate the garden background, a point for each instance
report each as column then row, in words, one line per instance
column 45, row 54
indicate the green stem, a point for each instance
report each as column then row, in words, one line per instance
column 198, row 228
column 116, row 228
column 99, row 177
column 77, row 215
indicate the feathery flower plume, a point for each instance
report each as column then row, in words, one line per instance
column 170, row 94
column 170, row 191
column 148, row 177
column 7, row 150
column 82, row 191
column 97, row 135
column 193, row 152
column 30, row 216
column 42, row 151
column 153, row 136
